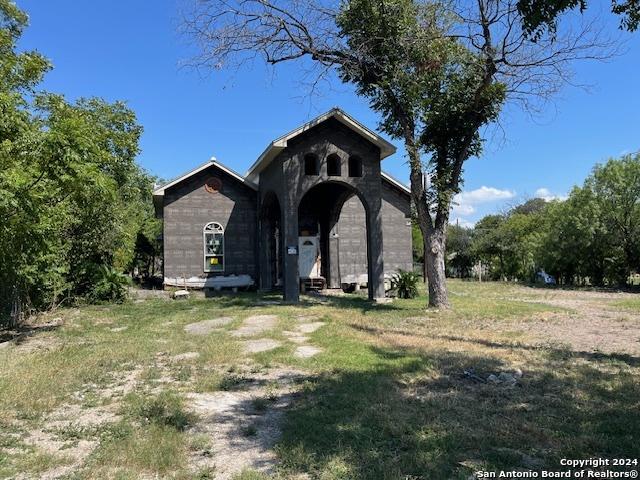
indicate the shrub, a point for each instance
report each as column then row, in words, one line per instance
column 109, row 285
column 405, row 284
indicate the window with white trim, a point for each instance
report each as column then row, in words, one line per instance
column 213, row 234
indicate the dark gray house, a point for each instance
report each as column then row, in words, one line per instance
column 315, row 208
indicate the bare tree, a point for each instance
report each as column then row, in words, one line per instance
column 488, row 60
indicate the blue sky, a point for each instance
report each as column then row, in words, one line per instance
column 131, row 50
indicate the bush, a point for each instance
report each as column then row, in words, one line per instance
column 109, row 285
column 405, row 284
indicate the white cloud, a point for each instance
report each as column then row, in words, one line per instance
column 546, row 194
column 463, row 209
column 483, row 195
column 464, row 203
column 462, row 222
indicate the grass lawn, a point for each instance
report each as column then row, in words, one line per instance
column 119, row 391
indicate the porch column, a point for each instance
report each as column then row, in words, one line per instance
column 291, row 276
column 375, row 270
column 334, row 257
column 263, row 254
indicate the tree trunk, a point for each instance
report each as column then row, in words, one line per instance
column 425, row 247
column 434, row 260
column 434, row 234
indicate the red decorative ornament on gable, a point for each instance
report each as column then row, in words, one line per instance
column 213, row 185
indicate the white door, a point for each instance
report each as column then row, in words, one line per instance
column 308, row 257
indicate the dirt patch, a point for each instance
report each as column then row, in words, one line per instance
column 243, row 426
column 592, row 323
column 142, row 294
column 260, row 345
column 185, row 356
column 255, row 325
column 59, row 430
column 207, row 326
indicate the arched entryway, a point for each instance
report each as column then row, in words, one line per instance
column 271, row 242
column 330, row 249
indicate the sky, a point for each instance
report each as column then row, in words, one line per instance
column 132, row 50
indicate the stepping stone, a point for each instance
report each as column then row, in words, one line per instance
column 185, row 356
column 118, row 329
column 207, row 326
column 295, row 337
column 255, row 325
column 306, row 351
column 260, row 345
column 309, row 327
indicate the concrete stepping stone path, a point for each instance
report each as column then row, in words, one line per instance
column 207, row 326
column 260, row 345
column 295, row 337
column 306, row 351
column 255, row 325
column 309, row 327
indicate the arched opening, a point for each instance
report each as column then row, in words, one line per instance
column 271, row 242
column 334, row 165
column 332, row 243
column 311, row 164
column 355, row 166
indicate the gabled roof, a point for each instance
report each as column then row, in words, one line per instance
column 395, row 182
column 252, row 175
column 281, row 143
column 159, row 191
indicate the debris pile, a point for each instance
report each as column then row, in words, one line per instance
column 507, row 379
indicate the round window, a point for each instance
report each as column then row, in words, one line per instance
column 213, row 185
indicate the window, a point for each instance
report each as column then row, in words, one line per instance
column 355, row 167
column 334, row 166
column 311, row 166
column 213, row 247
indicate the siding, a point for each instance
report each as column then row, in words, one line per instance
column 396, row 243
column 188, row 207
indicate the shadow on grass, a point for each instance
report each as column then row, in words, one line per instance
column 415, row 415
column 21, row 333
column 261, row 299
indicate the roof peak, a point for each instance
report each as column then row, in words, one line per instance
column 281, row 142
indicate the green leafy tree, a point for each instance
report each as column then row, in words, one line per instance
column 70, row 190
column 520, row 236
column 574, row 246
column 541, row 15
column 508, row 244
column 615, row 187
column 460, row 258
column 488, row 246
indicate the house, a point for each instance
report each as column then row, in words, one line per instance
column 314, row 207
